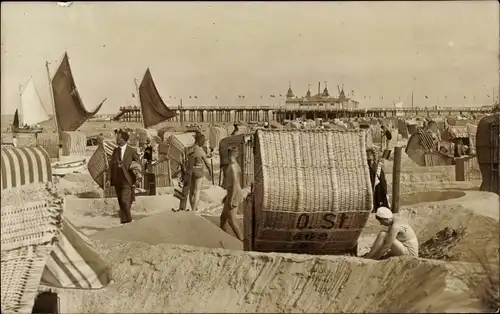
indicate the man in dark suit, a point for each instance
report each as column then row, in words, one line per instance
column 120, row 175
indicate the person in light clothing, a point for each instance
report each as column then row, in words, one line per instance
column 197, row 162
column 400, row 239
column 235, row 194
column 14, row 141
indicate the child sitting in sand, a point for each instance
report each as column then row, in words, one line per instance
column 399, row 240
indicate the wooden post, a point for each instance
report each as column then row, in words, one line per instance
column 460, row 169
column 212, row 170
column 396, row 169
column 181, row 113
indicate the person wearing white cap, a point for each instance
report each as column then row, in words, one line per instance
column 399, row 240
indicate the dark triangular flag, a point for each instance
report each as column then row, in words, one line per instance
column 153, row 109
column 69, row 108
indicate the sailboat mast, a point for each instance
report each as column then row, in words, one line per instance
column 19, row 111
column 139, row 102
column 53, row 102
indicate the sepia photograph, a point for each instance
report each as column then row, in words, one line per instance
column 250, row 157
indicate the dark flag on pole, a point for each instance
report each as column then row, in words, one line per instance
column 154, row 110
column 69, row 109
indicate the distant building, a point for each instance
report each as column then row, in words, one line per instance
column 320, row 100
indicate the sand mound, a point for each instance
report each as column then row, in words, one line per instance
column 431, row 212
column 477, row 211
column 162, row 278
column 438, row 246
column 175, row 228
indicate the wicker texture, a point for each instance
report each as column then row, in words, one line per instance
column 73, row 143
column 369, row 137
column 178, row 144
column 472, row 130
column 49, row 142
column 310, row 173
column 437, row 159
column 29, row 232
column 26, row 139
column 488, row 152
column 471, row 169
column 216, row 134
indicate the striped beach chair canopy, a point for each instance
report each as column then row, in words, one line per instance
column 23, row 166
column 178, row 143
column 73, row 263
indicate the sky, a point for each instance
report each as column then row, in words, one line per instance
column 447, row 51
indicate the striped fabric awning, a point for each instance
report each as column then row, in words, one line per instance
column 109, row 147
column 99, row 161
column 459, row 132
column 427, row 141
column 73, row 263
column 21, row 166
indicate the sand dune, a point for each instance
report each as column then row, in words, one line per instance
column 175, row 228
column 163, row 278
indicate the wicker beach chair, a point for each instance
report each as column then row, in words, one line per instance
column 312, row 192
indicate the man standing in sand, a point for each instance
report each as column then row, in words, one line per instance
column 399, row 240
column 387, row 136
column 148, row 155
column 234, row 196
column 14, row 141
column 121, row 176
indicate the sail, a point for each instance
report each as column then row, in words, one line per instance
column 154, row 110
column 15, row 123
column 69, row 109
column 32, row 110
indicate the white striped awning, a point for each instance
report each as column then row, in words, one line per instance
column 73, row 263
column 109, row 147
column 26, row 165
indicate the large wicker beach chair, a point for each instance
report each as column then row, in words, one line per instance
column 38, row 245
column 312, row 192
column 29, row 232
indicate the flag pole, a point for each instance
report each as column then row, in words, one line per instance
column 181, row 112
column 53, row 107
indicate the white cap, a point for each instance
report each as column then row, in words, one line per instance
column 384, row 212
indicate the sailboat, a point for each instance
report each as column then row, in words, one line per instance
column 31, row 111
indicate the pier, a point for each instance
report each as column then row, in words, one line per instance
column 227, row 114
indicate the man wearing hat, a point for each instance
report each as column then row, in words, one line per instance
column 399, row 239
